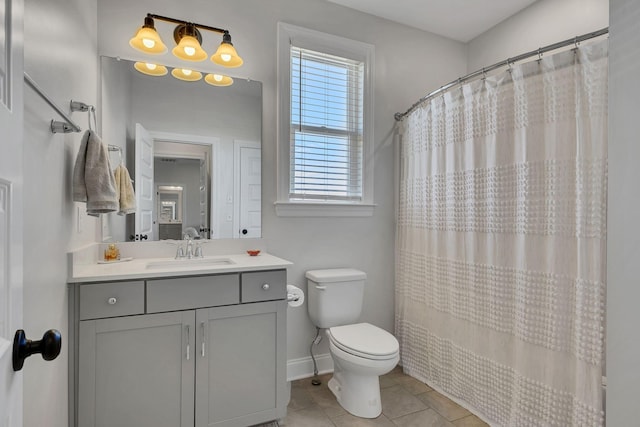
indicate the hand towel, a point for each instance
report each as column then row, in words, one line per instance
column 124, row 189
column 93, row 180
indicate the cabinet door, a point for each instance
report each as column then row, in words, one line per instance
column 240, row 365
column 137, row 371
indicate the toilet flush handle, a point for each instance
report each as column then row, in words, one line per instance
column 321, row 288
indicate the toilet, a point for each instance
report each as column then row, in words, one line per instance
column 361, row 352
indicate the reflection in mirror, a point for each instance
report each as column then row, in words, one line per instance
column 202, row 138
column 169, row 205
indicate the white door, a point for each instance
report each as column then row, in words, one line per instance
column 144, row 187
column 11, row 225
column 250, row 201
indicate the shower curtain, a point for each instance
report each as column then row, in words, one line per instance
column 501, row 242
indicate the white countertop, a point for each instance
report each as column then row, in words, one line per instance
column 146, row 268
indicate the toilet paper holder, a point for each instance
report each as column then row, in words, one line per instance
column 295, row 296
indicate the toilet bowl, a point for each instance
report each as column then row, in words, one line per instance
column 360, row 353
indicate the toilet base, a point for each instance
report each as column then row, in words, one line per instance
column 360, row 397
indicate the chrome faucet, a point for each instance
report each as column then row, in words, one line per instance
column 188, row 248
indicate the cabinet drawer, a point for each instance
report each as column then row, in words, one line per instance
column 264, row 285
column 111, row 299
column 185, row 293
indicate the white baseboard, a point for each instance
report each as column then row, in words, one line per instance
column 303, row 367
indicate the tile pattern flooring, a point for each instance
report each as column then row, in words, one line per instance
column 406, row 402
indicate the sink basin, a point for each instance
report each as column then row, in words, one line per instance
column 189, row 263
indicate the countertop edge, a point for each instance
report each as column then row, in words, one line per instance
column 96, row 273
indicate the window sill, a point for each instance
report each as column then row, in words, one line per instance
column 323, row 209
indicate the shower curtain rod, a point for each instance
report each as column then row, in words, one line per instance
column 506, row 63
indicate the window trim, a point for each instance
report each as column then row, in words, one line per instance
column 327, row 43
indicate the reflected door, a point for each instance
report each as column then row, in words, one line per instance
column 144, row 185
column 250, row 192
column 204, row 198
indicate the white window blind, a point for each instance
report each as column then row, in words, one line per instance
column 326, row 133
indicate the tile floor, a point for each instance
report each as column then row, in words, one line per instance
column 406, row 402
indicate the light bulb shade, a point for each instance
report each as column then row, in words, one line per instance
column 188, row 41
column 150, row 69
column 218, row 80
column 226, row 54
column 147, row 39
column 186, row 74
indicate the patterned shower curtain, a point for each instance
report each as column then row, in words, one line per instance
column 501, row 242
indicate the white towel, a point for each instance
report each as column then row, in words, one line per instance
column 93, row 180
column 124, row 189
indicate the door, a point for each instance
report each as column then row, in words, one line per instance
column 249, row 182
column 137, row 371
column 237, row 369
column 11, row 225
column 144, row 185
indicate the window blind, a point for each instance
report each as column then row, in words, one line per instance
column 326, row 126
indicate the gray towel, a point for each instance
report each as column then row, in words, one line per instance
column 93, row 180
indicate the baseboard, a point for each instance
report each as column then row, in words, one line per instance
column 303, row 367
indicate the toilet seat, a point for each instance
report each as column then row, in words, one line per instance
column 365, row 340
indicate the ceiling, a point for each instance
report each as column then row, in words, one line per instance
column 461, row 20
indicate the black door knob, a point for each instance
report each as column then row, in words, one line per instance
column 244, row 231
column 49, row 346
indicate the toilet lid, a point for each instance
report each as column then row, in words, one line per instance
column 364, row 340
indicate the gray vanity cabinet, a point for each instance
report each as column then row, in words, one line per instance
column 135, row 371
column 239, row 364
column 207, row 351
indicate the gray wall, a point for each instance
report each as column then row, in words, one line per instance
column 404, row 72
column 61, row 56
column 541, row 24
column 623, row 242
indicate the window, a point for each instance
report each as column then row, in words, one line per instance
column 324, row 132
column 326, row 127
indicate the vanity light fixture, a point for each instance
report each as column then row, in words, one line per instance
column 186, row 74
column 188, row 42
column 147, row 39
column 150, row 69
column 226, row 54
column 189, row 39
column 218, row 80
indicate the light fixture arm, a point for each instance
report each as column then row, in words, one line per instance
column 180, row 22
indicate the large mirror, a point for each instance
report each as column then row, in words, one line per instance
column 192, row 150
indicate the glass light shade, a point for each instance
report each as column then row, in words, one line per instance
column 186, row 74
column 150, row 69
column 227, row 56
column 218, row 80
column 147, row 40
column 189, row 49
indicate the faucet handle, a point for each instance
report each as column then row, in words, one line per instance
column 198, row 251
column 180, row 252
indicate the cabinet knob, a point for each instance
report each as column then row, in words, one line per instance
column 265, row 287
column 112, row 301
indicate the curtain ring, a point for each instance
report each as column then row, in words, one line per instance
column 484, row 74
column 539, row 54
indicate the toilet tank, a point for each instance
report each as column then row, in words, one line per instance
column 334, row 296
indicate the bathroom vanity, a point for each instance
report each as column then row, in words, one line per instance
column 157, row 342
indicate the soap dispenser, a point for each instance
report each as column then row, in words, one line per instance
column 112, row 253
